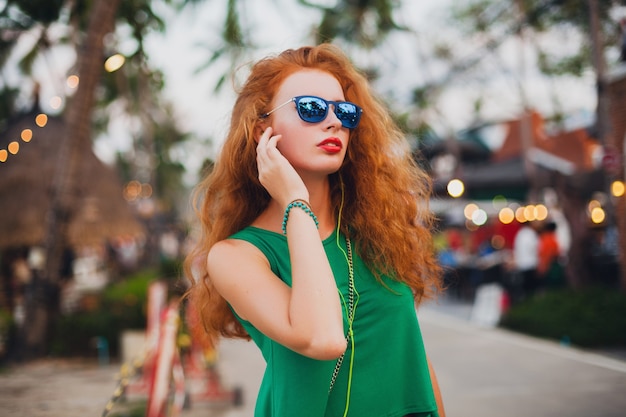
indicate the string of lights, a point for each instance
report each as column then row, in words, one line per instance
column 41, row 120
column 113, row 63
column 509, row 212
column 26, row 135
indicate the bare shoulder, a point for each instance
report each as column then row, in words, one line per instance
column 233, row 257
column 230, row 250
column 240, row 272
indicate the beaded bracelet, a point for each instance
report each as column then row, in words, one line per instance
column 304, row 205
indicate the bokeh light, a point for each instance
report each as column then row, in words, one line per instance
column 456, row 188
column 114, row 62
column 597, row 215
column 529, row 213
column 618, row 188
column 499, row 202
column 541, row 212
column 72, row 81
column 479, row 217
column 41, row 120
column 469, row 210
column 55, row 102
column 506, row 215
column 26, row 135
column 14, row 147
column 132, row 190
column 146, row 191
column 519, row 215
column 498, row 242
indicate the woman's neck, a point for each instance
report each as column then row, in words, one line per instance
column 319, row 198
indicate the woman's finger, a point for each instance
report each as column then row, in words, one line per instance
column 262, row 147
column 263, row 138
column 272, row 145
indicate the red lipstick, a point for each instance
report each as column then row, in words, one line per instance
column 331, row 145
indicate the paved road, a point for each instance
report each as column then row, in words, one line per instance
column 491, row 372
column 483, row 372
column 56, row 388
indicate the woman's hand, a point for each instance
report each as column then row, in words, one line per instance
column 276, row 174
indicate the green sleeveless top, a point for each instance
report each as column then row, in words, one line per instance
column 390, row 376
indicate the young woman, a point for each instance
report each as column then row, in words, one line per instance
column 316, row 243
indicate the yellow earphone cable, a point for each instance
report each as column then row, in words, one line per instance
column 356, row 301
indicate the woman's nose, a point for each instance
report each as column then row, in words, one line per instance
column 331, row 119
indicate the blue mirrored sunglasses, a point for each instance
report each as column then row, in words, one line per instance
column 314, row 109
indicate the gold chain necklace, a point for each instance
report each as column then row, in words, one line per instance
column 349, row 311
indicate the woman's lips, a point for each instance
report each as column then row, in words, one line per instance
column 332, row 145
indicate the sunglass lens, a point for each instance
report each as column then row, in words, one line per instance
column 348, row 114
column 312, row 109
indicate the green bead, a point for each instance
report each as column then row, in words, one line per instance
column 303, row 206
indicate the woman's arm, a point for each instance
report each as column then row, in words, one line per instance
column 306, row 317
column 437, row 391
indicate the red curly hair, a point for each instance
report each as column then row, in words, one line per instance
column 386, row 194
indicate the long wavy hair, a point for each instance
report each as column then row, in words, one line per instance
column 385, row 193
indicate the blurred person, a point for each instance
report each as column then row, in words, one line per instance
column 316, row 243
column 526, row 257
column 447, row 250
column 549, row 269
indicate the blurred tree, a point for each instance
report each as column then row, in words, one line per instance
column 362, row 24
column 90, row 28
column 590, row 22
column 14, row 22
column 234, row 44
column 496, row 21
column 42, row 312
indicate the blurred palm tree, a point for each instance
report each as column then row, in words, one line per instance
column 362, row 24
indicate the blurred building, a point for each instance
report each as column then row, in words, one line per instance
column 29, row 150
column 526, row 169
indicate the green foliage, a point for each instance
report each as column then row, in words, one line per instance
column 140, row 17
column 594, row 317
column 363, row 23
column 43, row 11
column 169, row 173
column 541, row 14
column 28, row 60
column 480, row 15
column 127, row 300
column 120, row 306
column 574, row 64
column 7, row 100
column 421, row 96
column 232, row 33
column 496, row 21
